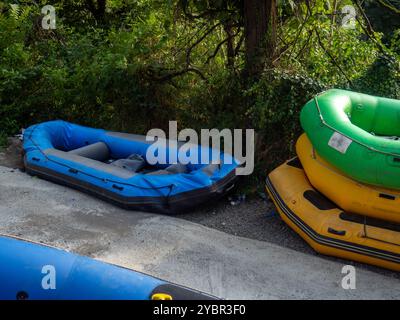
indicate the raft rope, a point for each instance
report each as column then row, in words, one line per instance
column 170, row 186
column 366, row 236
column 365, row 227
column 345, row 135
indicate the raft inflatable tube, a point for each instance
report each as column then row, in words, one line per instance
column 328, row 229
column 348, row 194
column 38, row 272
column 356, row 133
column 112, row 166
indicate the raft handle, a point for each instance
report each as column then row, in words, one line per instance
column 117, row 187
column 387, row 196
column 73, row 170
column 161, row 296
column 35, row 159
column 22, row 295
column 337, row 232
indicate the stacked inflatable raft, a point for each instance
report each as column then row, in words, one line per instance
column 342, row 193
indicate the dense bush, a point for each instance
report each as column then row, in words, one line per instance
column 126, row 71
column 95, row 78
column 217, row 103
column 382, row 78
column 278, row 98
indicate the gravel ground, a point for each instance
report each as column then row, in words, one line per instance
column 258, row 219
column 255, row 218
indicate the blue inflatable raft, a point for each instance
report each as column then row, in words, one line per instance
column 113, row 166
column 38, row 272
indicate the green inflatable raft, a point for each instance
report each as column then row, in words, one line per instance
column 357, row 133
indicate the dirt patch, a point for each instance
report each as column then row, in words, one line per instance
column 11, row 156
column 255, row 219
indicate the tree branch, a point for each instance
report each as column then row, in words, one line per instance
column 178, row 73
column 189, row 50
column 239, row 44
column 389, row 6
column 305, row 44
column 218, row 47
column 369, row 31
column 293, row 43
column 216, row 50
column 332, row 58
column 206, row 13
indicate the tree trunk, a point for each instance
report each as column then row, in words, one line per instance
column 260, row 23
column 230, row 49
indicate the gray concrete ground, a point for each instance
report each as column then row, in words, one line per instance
column 258, row 219
column 175, row 249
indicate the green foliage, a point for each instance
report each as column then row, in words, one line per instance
column 278, row 98
column 323, row 48
column 140, row 63
column 219, row 103
column 3, row 140
column 382, row 17
column 97, row 78
column 382, row 79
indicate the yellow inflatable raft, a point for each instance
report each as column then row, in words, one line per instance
column 348, row 194
column 328, row 229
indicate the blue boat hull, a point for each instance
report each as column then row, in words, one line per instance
column 48, row 147
column 37, row 272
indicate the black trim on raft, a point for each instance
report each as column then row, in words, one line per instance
column 181, row 293
column 387, row 196
column 373, row 222
column 318, row 200
column 327, row 241
column 167, row 204
column 341, row 233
